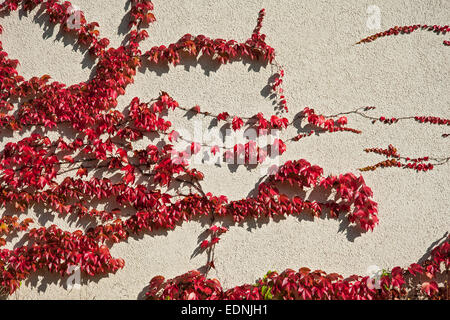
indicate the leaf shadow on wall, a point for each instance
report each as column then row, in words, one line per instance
column 49, row 30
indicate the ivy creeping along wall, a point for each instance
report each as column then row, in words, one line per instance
column 103, row 160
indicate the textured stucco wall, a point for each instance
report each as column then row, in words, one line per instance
column 404, row 75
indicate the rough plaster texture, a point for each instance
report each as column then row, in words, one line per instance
column 404, row 75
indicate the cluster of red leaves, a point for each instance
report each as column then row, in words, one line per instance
column 388, row 121
column 278, row 90
column 314, row 285
column 141, row 13
column 418, row 164
column 215, row 233
column 221, row 50
column 406, row 30
column 251, row 153
column 433, row 120
column 156, row 211
column 149, row 118
column 421, row 119
column 54, row 250
column 351, row 190
column 391, row 151
column 10, row 224
column 258, row 121
column 323, row 123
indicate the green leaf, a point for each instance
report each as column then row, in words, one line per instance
column 268, row 295
column 264, row 290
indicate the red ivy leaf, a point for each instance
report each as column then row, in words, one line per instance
column 195, row 147
column 342, row 121
column 68, row 159
column 205, row 244
column 173, row 136
column 223, row 116
column 82, row 172
column 430, row 288
column 215, row 150
column 415, row 268
column 196, row 109
column 237, row 123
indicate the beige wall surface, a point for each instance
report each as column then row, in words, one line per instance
column 401, row 76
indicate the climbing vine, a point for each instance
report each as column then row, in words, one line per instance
column 315, row 285
column 58, row 174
